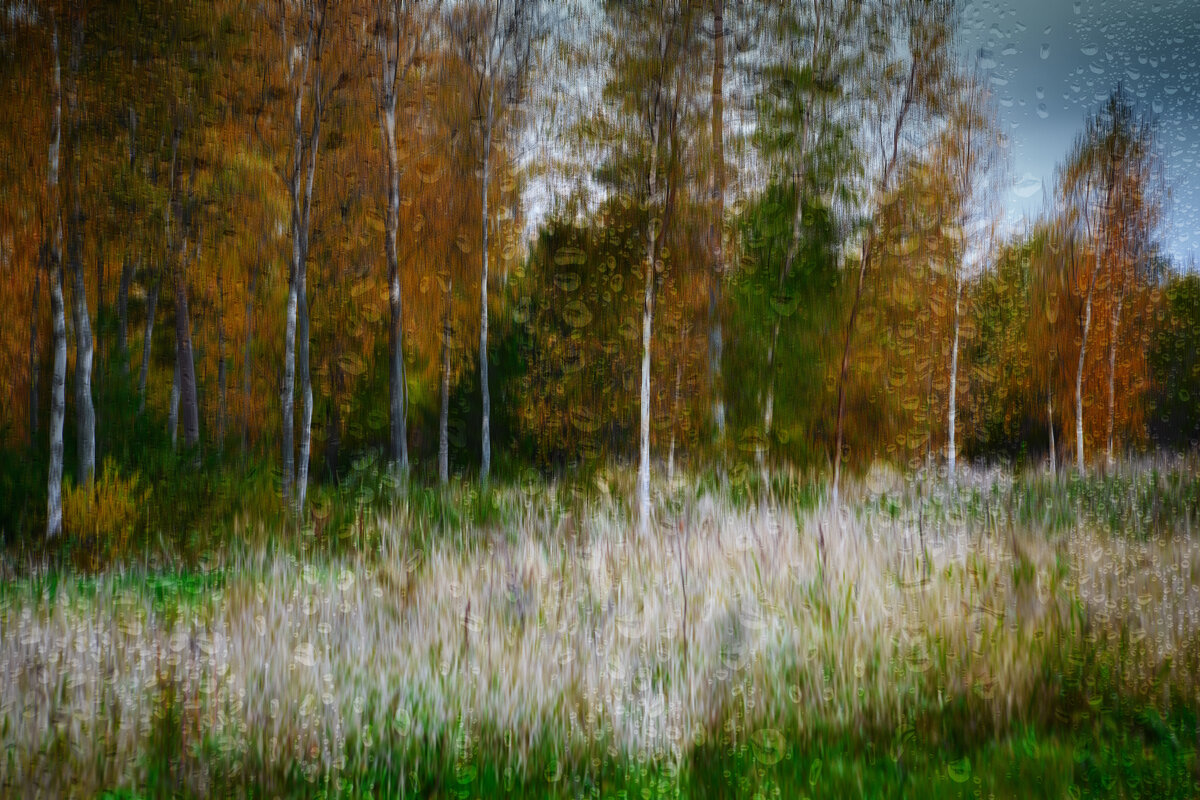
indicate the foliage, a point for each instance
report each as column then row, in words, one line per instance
column 104, row 515
column 1174, row 414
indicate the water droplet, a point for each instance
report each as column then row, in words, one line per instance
column 1045, row 51
column 769, row 746
column 576, row 314
column 959, row 771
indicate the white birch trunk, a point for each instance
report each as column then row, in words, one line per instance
column 1087, row 325
column 717, row 223
column 951, row 447
column 655, row 230
column 485, row 465
column 58, row 385
column 398, row 381
column 444, row 413
column 1112, row 371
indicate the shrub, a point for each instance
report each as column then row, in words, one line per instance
column 103, row 517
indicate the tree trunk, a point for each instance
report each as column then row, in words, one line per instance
column 85, row 409
column 1050, row 422
column 58, row 385
column 674, row 418
column 398, row 383
column 306, row 396
column 951, row 445
column 1087, row 326
column 1112, row 370
column 123, row 313
column 173, row 412
column 868, row 248
column 34, row 359
column 444, row 415
column 717, row 223
column 221, row 367
column 185, row 366
column 643, row 477
column 147, row 341
column 485, row 464
column 248, row 357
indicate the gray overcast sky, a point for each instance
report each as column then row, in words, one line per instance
column 1053, row 62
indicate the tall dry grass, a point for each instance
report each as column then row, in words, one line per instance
column 562, row 630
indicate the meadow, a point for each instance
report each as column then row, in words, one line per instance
column 1004, row 635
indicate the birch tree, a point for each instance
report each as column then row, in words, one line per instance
column 53, row 261
column 1109, row 187
column 927, row 26
column 85, row 409
column 970, row 152
column 303, row 33
column 821, row 59
column 496, row 38
column 398, row 44
column 649, row 46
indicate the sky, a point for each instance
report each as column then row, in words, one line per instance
column 1052, row 63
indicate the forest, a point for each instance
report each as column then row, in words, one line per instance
column 582, row 398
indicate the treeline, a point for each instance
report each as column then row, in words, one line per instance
column 256, row 241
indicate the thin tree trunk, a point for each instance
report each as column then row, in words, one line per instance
column 485, row 464
column 444, row 415
column 58, row 385
column 123, row 313
column 769, row 403
column 1112, row 371
column 248, row 357
column 305, row 373
column 34, row 359
column 288, row 395
column 185, row 393
column 306, row 396
column 717, row 223
column 127, row 269
column 147, row 340
column 643, row 478
column 1087, row 326
column 868, row 251
column 674, row 418
column 221, row 366
column 173, row 412
column 951, row 444
column 1050, row 422
column 398, row 383
column 85, row 410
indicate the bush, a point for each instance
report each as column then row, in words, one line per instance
column 103, row 517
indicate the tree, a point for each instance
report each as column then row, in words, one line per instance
column 496, row 39
column 304, row 38
column 928, row 27
column 650, row 43
column 968, row 151
column 398, row 43
column 53, row 261
column 815, row 80
column 85, row 410
column 1111, row 189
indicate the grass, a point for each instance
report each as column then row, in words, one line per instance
column 922, row 641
